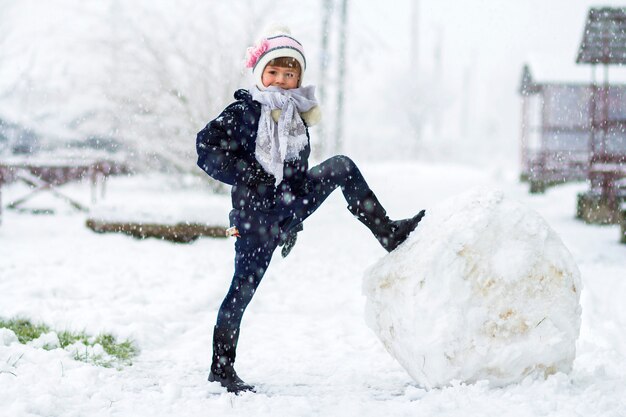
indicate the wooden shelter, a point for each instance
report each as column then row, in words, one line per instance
column 604, row 43
column 45, row 175
column 556, row 131
column 574, row 131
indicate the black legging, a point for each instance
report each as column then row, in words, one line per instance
column 253, row 251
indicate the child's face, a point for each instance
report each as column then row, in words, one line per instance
column 285, row 78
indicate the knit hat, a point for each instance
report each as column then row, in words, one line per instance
column 276, row 43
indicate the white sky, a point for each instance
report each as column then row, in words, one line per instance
column 495, row 38
column 485, row 42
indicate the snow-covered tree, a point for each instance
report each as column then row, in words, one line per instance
column 147, row 74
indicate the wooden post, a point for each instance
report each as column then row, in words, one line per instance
column 94, row 184
column 524, row 163
column 415, row 116
column 1, row 184
column 327, row 10
column 343, row 23
column 103, row 178
column 607, row 185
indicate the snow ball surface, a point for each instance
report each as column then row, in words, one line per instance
column 7, row 337
column 483, row 289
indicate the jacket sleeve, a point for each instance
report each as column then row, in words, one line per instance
column 221, row 153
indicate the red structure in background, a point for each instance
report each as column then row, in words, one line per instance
column 48, row 175
column 556, row 132
column 604, row 43
column 577, row 131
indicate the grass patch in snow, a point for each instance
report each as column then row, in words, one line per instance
column 24, row 329
column 102, row 350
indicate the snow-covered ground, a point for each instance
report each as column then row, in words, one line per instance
column 304, row 342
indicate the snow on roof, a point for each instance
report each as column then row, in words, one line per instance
column 554, row 69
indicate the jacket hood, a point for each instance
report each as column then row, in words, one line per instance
column 243, row 94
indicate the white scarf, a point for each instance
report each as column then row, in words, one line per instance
column 277, row 143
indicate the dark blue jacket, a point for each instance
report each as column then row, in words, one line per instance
column 226, row 151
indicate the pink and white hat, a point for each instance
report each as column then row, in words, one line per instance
column 276, row 44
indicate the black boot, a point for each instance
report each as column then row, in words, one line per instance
column 401, row 229
column 390, row 234
column 222, row 368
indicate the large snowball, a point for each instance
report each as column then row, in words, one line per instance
column 483, row 289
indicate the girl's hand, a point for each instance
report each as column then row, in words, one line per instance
column 232, row 231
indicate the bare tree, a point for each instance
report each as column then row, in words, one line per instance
column 148, row 74
column 171, row 78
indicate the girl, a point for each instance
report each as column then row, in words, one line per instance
column 260, row 146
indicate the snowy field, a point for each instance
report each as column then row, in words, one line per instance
column 304, row 342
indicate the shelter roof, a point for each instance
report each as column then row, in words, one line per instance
column 604, row 38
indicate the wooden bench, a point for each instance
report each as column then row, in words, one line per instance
column 47, row 176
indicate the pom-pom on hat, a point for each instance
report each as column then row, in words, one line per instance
column 276, row 43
